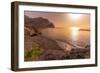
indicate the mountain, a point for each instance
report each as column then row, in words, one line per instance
column 38, row 22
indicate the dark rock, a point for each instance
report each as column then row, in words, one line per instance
column 53, row 55
column 38, row 22
column 34, row 26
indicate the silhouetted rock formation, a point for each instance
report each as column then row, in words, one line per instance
column 36, row 25
column 38, row 22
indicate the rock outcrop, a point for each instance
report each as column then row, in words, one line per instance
column 34, row 26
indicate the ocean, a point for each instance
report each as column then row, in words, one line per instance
column 77, row 37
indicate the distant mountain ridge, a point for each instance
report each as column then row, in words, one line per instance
column 38, row 22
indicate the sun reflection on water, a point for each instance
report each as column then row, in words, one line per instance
column 74, row 33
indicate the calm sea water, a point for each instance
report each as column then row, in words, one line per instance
column 81, row 38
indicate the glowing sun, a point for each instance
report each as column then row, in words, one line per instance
column 75, row 16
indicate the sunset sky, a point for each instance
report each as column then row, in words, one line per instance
column 65, row 20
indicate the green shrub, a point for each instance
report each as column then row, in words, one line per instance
column 34, row 53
